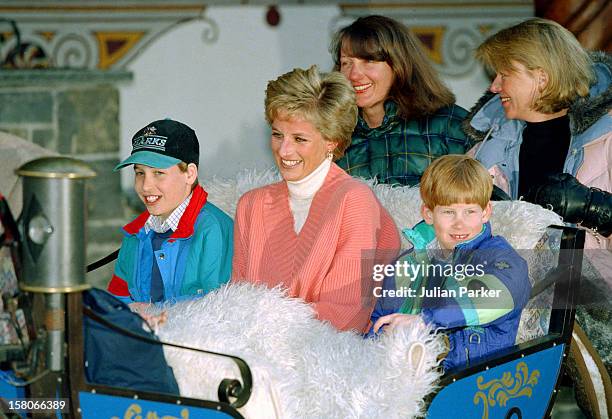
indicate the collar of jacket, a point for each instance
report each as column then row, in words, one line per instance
column 488, row 112
column 364, row 132
column 186, row 225
column 422, row 234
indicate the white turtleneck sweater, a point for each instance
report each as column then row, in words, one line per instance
column 302, row 191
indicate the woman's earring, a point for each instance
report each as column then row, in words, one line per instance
column 330, row 155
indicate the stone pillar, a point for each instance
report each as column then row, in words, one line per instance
column 74, row 113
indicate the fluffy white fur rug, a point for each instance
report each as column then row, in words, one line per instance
column 303, row 367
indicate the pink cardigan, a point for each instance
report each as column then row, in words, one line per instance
column 329, row 263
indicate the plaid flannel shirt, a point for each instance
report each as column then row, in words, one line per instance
column 399, row 150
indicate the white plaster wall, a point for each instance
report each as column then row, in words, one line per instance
column 469, row 88
column 218, row 89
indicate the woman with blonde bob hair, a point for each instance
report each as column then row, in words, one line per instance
column 547, row 114
column 545, row 134
column 407, row 116
column 548, row 49
column 318, row 232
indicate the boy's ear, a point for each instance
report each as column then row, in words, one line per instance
column 192, row 173
column 427, row 214
column 486, row 213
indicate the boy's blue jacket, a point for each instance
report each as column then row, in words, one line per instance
column 196, row 259
column 475, row 325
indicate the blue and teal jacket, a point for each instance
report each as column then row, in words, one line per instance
column 194, row 260
column 477, row 324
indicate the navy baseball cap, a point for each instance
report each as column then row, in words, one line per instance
column 162, row 144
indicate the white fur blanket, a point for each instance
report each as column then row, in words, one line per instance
column 301, row 366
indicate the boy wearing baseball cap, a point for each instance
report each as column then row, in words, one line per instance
column 181, row 246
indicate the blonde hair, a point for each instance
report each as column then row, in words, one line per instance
column 417, row 88
column 456, row 179
column 546, row 45
column 326, row 100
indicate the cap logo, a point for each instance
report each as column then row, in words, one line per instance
column 155, row 142
column 149, row 131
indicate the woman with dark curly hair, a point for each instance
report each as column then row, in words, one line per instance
column 407, row 116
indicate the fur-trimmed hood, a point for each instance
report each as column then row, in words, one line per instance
column 583, row 113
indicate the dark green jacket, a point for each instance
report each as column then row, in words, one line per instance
column 399, row 150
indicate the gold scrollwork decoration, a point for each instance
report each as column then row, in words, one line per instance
column 134, row 411
column 511, row 386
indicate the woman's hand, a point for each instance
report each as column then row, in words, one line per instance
column 390, row 322
column 153, row 320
